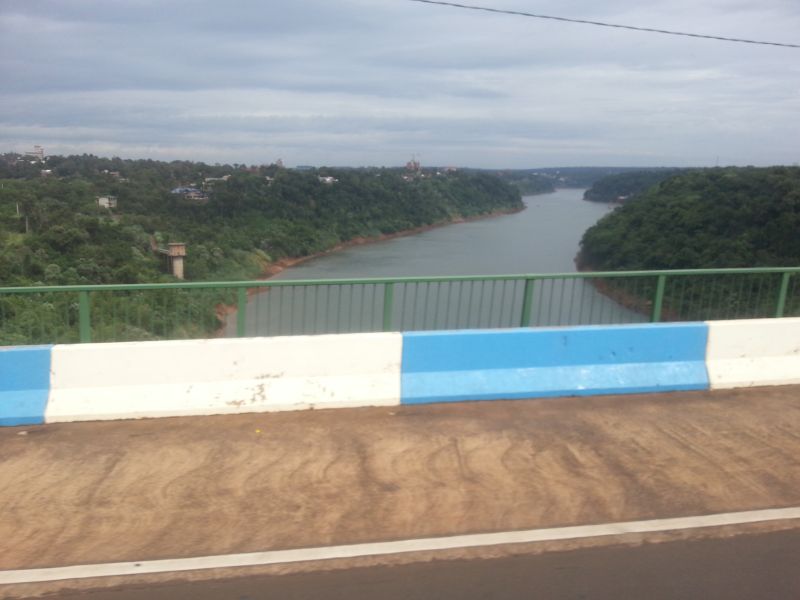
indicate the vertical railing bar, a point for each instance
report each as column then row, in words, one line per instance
column 401, row 292
column 469, row 303
column 258, row 300
column 303, row 328
column 759, row 295
column 585, row 285
column 355, row 309
column 426, row 306
column 744, row 310
column 292, row 299
column 715, row 298
column 601, row 310
column 743, row 287
column 338, row 312
column 783, row 292
column 605, row 314
column 281, row 291
column 572, row 284
column 363, row 303
column 272, row 297
column 361, row 310
column 746, row 292
column 527, row 303
column 419, row 319
column 658, row 301
column 492, row 302
column 480, row 304
column 241, row 311
column 344, row 297
column 404, row 307
column 550, row 306
column 340, row 307
column 593, row 307
column 321, row 304
column 114, row 321
column 84, row 317
column 348, row 314
column 560, row 301
column 311, row 310
column 503, row 295
column 447, row 309
column 436, row 306
column 413, row 306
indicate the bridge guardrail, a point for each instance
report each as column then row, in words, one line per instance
column 188, row 310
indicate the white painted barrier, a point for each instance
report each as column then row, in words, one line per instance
column 204, row 377
column 753, row 353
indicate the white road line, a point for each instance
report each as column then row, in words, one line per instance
column 380, row 548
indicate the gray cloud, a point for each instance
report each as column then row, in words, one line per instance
column 372, row 81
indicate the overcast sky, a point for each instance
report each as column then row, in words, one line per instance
column 371, row 82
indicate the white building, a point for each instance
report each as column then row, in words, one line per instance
column 107, row 201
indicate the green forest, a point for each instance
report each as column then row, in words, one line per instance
column 726, row 217
column 624, row 187
column 711, row 218
column 236, row 221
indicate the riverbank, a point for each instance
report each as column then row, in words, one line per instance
column 637, row 303
column 285, row 263
column 224, row 312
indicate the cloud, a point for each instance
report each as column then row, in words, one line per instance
column 372, row 81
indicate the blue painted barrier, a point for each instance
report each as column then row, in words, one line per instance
column 444, row 366
column 528, row 363
column 24, row 384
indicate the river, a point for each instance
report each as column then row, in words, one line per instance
column 543, row 238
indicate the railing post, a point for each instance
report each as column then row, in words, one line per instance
column 784, row 290
column 241, row 311
column 658, row 301
column 527, row 303
column 84, row 318
column 388, row 305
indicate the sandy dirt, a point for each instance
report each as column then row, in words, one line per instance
column 166, row 488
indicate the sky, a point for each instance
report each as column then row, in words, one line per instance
column 375, row 82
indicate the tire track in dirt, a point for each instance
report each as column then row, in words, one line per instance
column 138, row 490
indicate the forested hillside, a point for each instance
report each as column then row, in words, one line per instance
column 529, row 183
column 623, row 187
column 236, row 220
column 714, row 218
column 732, row 217
column 53, row 231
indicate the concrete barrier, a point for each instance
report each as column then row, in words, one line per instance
column 204, row 377
column 24, row 384
column 574, row 361
column 753, row 352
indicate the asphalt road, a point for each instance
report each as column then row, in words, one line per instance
column 746, row 567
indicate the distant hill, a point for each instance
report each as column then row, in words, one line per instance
column 623, row 187
column 545, row 180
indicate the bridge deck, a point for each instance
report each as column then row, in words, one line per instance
column 136, row 490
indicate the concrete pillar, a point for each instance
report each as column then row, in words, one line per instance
column 177, row 251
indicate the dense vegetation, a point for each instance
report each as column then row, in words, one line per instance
column 713, row 218
column 52, row 231
column 623, row 187
column 528, row 183
column 544, row 180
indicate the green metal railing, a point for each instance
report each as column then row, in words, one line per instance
column 64, row 314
